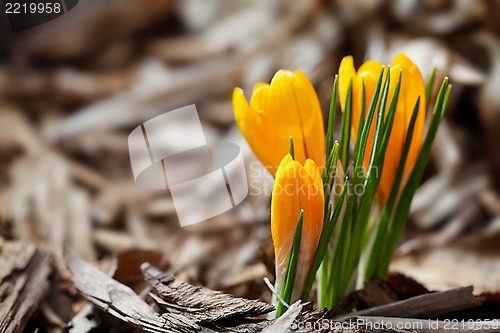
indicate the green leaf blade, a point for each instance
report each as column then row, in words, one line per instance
column 403, row 206
column 291, row 268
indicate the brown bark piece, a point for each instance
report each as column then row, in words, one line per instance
column 24, row 282
column 424, row 306
column 121, row 301
column 199, row 303
column 376, row 292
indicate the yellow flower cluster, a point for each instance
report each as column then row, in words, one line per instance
column 289, row 107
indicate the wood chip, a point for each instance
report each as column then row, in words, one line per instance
column 121, row 301
column 376, row 292
column 24, row 282
column 424, row 306
column 198, row 303
column 84, row 321
column 283, row 323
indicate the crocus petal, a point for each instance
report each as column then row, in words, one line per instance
column 412, row 86
column 285, row 212
column 249, row 123
column 369, row 74
column 288, row 107
column 284, row 162
column 260, row 85
column 284, row 115
column 311, row 118
column 346, row 73
column 314, row 172
column 296, row 187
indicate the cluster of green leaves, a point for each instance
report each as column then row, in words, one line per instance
column 357, row 241
column 395, row 212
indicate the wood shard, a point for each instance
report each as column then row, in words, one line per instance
column 121, row 301
column 24, row 282
column 424, row 306
column 283, row 323
column 199, row 303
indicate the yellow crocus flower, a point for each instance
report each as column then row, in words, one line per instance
column 297, row 187
column 412, row 86
column 287, row 107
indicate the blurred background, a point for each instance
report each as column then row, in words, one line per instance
column 72, row 89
